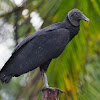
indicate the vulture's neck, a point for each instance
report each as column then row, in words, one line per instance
column 73, row 29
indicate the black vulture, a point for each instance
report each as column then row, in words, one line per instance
column 38, row 49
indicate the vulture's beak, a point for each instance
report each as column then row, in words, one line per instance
column 85, row 18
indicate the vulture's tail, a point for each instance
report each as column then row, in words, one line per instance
column 5, row 78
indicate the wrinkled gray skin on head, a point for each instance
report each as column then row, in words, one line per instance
column 75, row 16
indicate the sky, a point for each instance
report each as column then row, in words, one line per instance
column 17, row 2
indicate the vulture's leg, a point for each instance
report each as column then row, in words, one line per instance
column 44, row 78
column 43, row 69
column 45, row 83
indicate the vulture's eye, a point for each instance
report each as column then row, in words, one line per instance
column 72, row 15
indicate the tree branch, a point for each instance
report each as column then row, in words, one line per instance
column 49, row 94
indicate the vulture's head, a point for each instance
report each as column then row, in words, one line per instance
column 75, row 16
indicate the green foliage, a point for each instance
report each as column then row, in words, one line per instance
column 77, row 70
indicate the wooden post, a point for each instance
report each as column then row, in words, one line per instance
column 51, row 94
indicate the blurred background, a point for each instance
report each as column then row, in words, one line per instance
column 76, row 71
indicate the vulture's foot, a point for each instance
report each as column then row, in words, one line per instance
column 52, row 89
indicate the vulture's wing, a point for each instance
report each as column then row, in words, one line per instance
column 32, row 36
